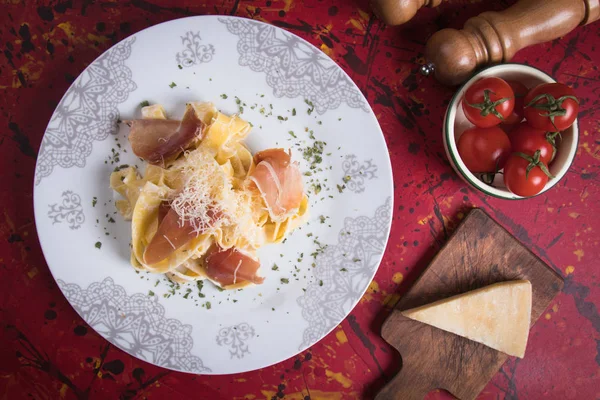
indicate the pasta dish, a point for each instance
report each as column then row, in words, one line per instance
column 204, row 203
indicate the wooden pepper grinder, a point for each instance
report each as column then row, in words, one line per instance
column 494, row 37
column 397, row 12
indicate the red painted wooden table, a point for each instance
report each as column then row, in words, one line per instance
column 48, row 352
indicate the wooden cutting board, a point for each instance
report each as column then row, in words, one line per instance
column 479, row 253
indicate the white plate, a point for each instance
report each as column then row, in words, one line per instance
column 206, row 57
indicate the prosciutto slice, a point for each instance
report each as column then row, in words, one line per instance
column 160, row 140
column 279, row 182
column 231, row 266
column 172, row 234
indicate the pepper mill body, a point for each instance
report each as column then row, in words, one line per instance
column 494, row 37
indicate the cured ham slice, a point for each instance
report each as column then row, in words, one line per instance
column 171, row 235
column 279, row 182
column 231, row 266
column 159, row 140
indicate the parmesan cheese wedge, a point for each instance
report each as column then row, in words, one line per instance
column 497, row 316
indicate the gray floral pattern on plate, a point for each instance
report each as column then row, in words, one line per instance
column 235, row 337
column 194, row 52
column 87, row 112
column 356, row 173
column 293, row 67
column 69, row 210
column 342, row 272
column 136, row 323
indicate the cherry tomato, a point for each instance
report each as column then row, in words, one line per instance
column 525, row 175
column 484, row 149
column 551, row 106
column 517, row 113
column 527, row 139
column 488, row 102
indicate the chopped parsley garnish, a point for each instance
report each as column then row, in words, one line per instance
column 343, row 270
column 316, row 188
column 293, row 112
column 347, row 178
column 150, row 293
column 111, row 220
column 311, row 105
column 144, row 103
column 179, row 66
column 98, row 245
column 341, row 188
column 320, row 283
column 322, row 219
column 223, row 96
column 94, row 201
column 313, row 154
column 172, row 85
column 293, row 134
column 275, row 267
column 285, row 280
column 208, row 305
column 355, row 259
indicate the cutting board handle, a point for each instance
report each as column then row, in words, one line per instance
column 494, row 37
column 403, row 386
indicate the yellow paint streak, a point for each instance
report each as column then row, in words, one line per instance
column 555, row 308
column 240, row 380
column 569, row 270
column 425, row 220
column 579, row 253
column 67, row 28
column 372, row 290
column 63, row 390
column 574, row 215
column 391, row 300
column 325, row 49
column 363, row 14
column 99, row 39
column 595, row 152
column 548, row 316
column 341, row 336
column 32, row 272
column 341, row 379
column 397, row 277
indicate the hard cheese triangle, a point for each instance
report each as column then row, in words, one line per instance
column 497, row 315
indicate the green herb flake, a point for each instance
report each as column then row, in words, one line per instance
column 179, row 66
column 223, row 96
column 144, row 103
column 94, row 201
column 98, row 245
column 275, row 267
column 150, row 293
column 347, row 178
column 356, row 260
column 320, row 283
column 293, row 134
column 185, row 296
column 316, row 188
column 311, row 105
column 341, row 188
column 343, row 270
column 285, row 280
column 293, row 112
column 172, row 85
column 322, row 219
column 208, row 305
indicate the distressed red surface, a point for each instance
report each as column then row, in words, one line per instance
column 48, row 352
